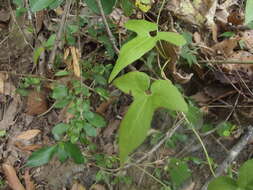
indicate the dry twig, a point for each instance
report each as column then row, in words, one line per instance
column 111, row 37
column 234, row 152
column 60, row 32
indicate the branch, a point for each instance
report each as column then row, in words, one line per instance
column 111, row 37
column 60, row 31
column 234, row 152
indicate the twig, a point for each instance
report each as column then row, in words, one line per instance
column 60, row 31
column 156, row 147
column 226, row 61
column 234, row 152
column 111, row 37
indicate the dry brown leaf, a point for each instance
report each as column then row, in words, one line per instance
column 97, row 187
column 240, row 56
column 104, row 106
column 29, row 184
column 226, row 47
column 75, row 62
column 36, row 103
column 39, row 20
column 28, row 148
column 3, row 78
column 27, row 135
column 78, row 186
column 12, row 177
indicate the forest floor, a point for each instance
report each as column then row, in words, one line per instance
column 212, row 71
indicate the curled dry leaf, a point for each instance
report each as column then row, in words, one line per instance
column 27, row 135
column 226, row 47
column 75, row 61
column 12, row 177
column 36, row 103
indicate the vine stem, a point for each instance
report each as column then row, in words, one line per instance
column 202, row 144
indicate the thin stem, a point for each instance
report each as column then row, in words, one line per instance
column 202, row 144
column 111, row 37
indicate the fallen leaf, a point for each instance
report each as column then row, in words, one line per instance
column 28, row 148
column 3, row 78
column 27, row 135
column 97, row 187
column 78, row 186
column 36, row 103
column 75, row 62
column 226, row 47
column 104, row 105
column 29, row 184
column 12, row 177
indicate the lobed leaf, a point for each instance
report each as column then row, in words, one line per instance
column 135, row 125
column 171, row 37
column 166, row 95
column 132, row 51
column 133, row 83
column 141, row 27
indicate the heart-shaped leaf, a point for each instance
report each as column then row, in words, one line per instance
column 133, row 83
column 135, row 125
column 144, row 42
column 166, row 95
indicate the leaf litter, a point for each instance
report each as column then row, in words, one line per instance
column 207, row 21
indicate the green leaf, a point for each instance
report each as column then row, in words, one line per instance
column 107, row 5
column 222, row 183
column 179, row 171
column 74, row 152
column 96, row 120
column 61, row 73
column 127, row 7
column 133, row 83
column 50, row 42
column 245, row 176
column 61, row 153
column 141, row 27
column 135, row 125
column 61, row 103
column 132, row 51
column 248, row 12
column 40, row 4
column 171, row 37
column 166, row 95
column 41, row 156
column 137, row 47
column 59, row 130
column 90, row 131
column 60, row 91
column 37, row 54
